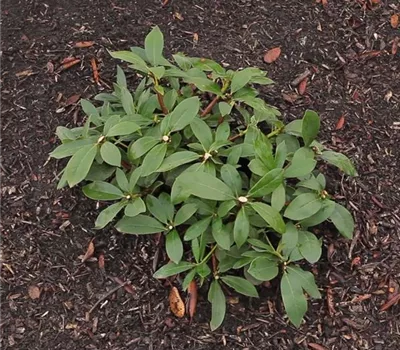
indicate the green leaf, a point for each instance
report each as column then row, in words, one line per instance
column 79, row 164
column 341, row 161
column 225, row 207
column 310, row 127
column 302, row 164
column 89, row 108
column 169, row 209
column 311, row 183
column 135, row 207
column 188, row 278
column 154, row 45
column 241, row 228
column 122, row 181
column 343, row 221
column 123, row 128
column 224, row 108
column 263, row 269
column 260, row 244
column 267, row 184
column 293, row 298
column 185, row 213
column 328, row 207
column 205, row 186
column 289, row 239
column 303, row 206
column 110, row 154
column 220, row 234
column 307, row 280
column 240, row 79
column 156, row 208
column 139, row 225
column 99, row 172
column 102, row 191
column 204, row 84
column 172, row 269
column 128, row 56
column 263, row 150
column 280, row 154
column 309, row 246
column 240, row 285
column 182, row 115
column 127, row 101
column 142, row 146
column 218, row 305
column 232, row 178
column 174, row 247
column 278, row 197
column 291, row 142
column 203, row 270
column 223, row 132
column 133, row 179
column 321, row 179
column 121, row 79
column 70, row 148
column 177, row 159
column 270, row 215
column 202, row 132
column 294, row 127
column 153, row 159
column 158, row 72
column 182, row 61
column 170, row 99
column 197, row 229
column 108, row 214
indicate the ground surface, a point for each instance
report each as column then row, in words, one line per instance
column 44, row 231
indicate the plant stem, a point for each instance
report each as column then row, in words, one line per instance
column 275, row 132
column 215, row 100
column 160, row 99
column 274, row 252
column 118, row 142
column 208, row 255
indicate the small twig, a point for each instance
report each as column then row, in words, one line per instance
column 301, row 77
column 104, row 297
column 161, row 102
column 233, row 138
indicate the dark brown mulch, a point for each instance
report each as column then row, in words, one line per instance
column 347, row 47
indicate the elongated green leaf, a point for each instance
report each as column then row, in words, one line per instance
column 278, row 198
column 99, row 172
column 267, row 184
column 294, row 127
column 154, row 45
column 280, row 155
column 70, row 148
column 158, row 72
column 202, row 132
column 172, row 269
column 127, row 101
column 122, row 181
column 182, row 61
column 218, row 305
column 327, row 209
column 311, row 183
column 204, row 84
column 110, row 154
column 310, row 127
column 241, row 228
column 177, row 159
column 289, row 239
column 170, row 99
column 79, row 164
column 263, row 269
column 121, row 79
column 224, row 108
column 182, row 115
column 123, row 128
column 240, row 79
column 225, row 207
column 128, row 56
column 142, row 146
column 197, row 229
column 260, row 244
column 223, row 132
column 302, row 164
column 240, row 285
column 140, row 225
column 293, row 297
column 133, row 179
column 341, row 161
column 263, row 150
column 153, row 159
column 232, row 178
column 205, row 186
column 270, row 215
column 108, row 214
column 89, row 108
column 303, row 206
column 156, row 208
column 307, row 281
column 343, row 221
column 188, row 278
column 309, row 246
column 185, row 213
column 102, row 191
column 173, row 246
column 135, row 207
column 220, row 234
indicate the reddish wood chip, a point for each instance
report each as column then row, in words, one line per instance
column 392, row 301
column 192, row 290
column 72, row 100
column 89, row 251
column 315, row 346
column 34, row 292
column 394, row 21
column 303, row 86
column 272, row 55
column 82, row 44
column 340, row 123
column 395, row 45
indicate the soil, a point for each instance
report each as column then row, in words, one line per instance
column 47, row 292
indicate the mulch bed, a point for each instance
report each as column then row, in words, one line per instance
column 47, row 292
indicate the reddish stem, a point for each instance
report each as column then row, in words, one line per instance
column 162, row 104
column 210, row 107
